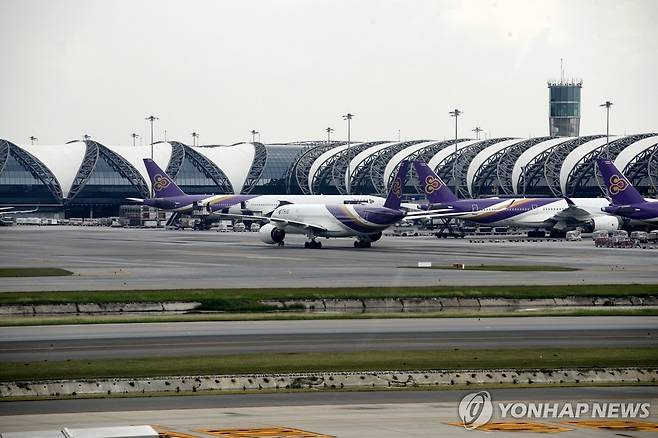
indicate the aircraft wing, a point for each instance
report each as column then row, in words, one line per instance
column 3, row 213
column 572, row 213
column 304, row 225
column 277, row 221
column 447, row 212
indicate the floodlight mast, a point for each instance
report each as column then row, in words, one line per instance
column 607, row 106
column 195, row 135
column 455, row 113
column 349, row 117
column 135, row 137
column 329, row 131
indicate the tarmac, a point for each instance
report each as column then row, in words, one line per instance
column 36, row 343
column 123, row 259
column 327, row 414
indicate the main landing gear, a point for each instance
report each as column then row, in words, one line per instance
column 313, row 244
column 362, row 244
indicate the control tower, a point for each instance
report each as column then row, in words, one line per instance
column 564, row 107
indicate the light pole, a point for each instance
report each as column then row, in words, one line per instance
column 607, row 106
column 455, row 113
column 253, row 135
column 349, row 117
column 329, row 131
column 523, row 168
column 33, row 139
column 151, row 119
column 86, row 137
column 477, row 131
column 195, row 135
column 135, row 137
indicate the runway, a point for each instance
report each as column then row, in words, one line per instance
column 229, row 337
column 109, row 258
column 339, row 414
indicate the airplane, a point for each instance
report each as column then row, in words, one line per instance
column 627, row 202
column 556, row 215
column 168, row 196
column 6, row 211
column 363, row 222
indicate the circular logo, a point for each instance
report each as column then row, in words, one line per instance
column 475, row 409
column 617, row 184
column 431, row 185
column 397, row 187
column 160, row 182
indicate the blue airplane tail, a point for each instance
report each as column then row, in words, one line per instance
column 435, row 189
column 163, row 186
column 619, row 189
column 394, row 198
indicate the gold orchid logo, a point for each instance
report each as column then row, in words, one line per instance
column 160, row 182
column 397, row 187
column 432, row 184
column 617, row 184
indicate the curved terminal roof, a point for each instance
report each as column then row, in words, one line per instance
column 530, row 155
column 626, row 156
column 363, row 155
column 571, row 161
column 320, row 161
column 235, row 161
column 62, row 160
column 402, row 155
column 447, row 152
column 135, row 155
column 482, row 158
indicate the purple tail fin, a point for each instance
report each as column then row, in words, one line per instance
column 434, row 188
column 619, row 189
column 394, row 198
column 163, row 186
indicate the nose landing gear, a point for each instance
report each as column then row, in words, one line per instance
column 362, row 244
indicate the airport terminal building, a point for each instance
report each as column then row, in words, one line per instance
column 83, row 178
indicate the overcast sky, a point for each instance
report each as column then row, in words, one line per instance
column 291, row 68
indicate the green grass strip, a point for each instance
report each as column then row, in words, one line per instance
column 340, row 361
column 214, row 298
column 502, row 268
column 34, row 272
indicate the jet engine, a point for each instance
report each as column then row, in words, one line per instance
column 268, row 233
column 605, row 223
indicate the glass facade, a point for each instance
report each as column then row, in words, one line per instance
column 103, row 192
column 564, row 109
column 280, row 158
column 20, row 186
column 193, row 180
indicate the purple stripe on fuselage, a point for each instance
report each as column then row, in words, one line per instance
column 509, row 208
column 380, row 216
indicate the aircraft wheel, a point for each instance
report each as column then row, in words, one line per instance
column 307, row 244
column 282, row 243
column 318, row 245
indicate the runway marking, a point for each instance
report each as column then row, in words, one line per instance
column 519, row 427
column 167, row 433
column 267, row 432
column 621, row 425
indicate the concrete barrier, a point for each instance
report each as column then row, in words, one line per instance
column 337, row 380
